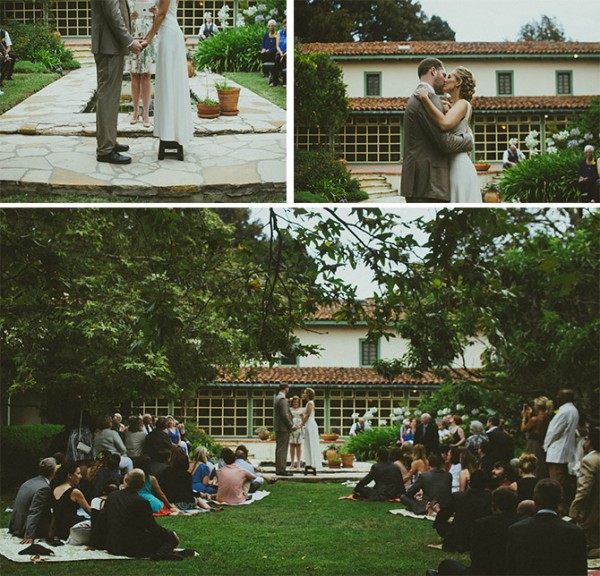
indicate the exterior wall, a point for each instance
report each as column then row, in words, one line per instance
column 532, row 77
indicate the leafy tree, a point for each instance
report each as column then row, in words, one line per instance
column 526, row 280
column 545, row 29
column 118, row 305
column 366, row 21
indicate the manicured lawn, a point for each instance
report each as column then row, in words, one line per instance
column 23, row 86
column 259, row 85
column 298, row 529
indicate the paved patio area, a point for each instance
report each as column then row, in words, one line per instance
column 47, row 146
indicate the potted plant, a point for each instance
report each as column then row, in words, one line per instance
column 331, row 436
column 263, row 432
column 207, row 107
column 491, row 193
column 481, row 165
column 347, row 457
column 228, row 98
column 331, row 453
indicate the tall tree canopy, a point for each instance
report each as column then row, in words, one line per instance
column 526, row 280
column 545, row 29
column 118, row 305
column 366, row 21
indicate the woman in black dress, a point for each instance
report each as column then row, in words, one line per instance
column 68, row 499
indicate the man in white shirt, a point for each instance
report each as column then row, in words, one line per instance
column 359, row 426
column 560, row 443
column 512, row 156
column 208, row 28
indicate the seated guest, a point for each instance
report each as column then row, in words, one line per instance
column 396, row 457
column 544, row 543
column 163, row 457
column 148, row 423
column 527, row 480
column 135, row 437
column 158, row 440
column 241, row 459
column 68, row 499
column 589, row 176
column 466, row 507
column 109, row 470
column 233, row 481
column 131, row 529
column 32, row 508
column 485, row 462
column 488, row 539
column 152, row 491
column 453, row 466
column 280, row 56
column 176, row 483
column 502, row 474
column 512, row 156
column 359, row 426
column 387, row 478
column 468, row 465
column 436, row 484
column 204, row 476
column 268, row 48
column 585, row 509
column 175, row 434
column 418, row 465
column 108, row 440
column 98, row 521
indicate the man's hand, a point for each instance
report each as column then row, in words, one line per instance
column 176, row 538
column 26, row 541
column 136, row 46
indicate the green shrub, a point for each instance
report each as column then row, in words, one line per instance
column 364, row 446
column 320, row 177
column 198, row 437
column 543, row 178
column 22, row 447
column 232, row 50
column 38, row 43
column 26, row 67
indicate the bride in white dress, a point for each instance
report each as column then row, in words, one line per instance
column 311, row 445
column 460, row 85
column 172, row 108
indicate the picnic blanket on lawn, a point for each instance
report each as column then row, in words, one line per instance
column 254, row 497
column 10, row 547
column 410, row 514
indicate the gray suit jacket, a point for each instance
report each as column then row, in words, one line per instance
column 425, row 166
column 31, row 511
column 111, row 27
column 282, row 416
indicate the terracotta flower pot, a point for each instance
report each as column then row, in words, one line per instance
column 229, row 101
column 191, row 69
column 348, row 460
column 208, row 110
column 482, row 166
column 334, row 463
column 263, row 435
column 492, row 196
column 329, row 437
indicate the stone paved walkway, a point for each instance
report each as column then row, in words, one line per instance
column 47, row 146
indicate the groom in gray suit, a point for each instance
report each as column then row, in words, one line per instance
column 111, row 40
column 283, row 425
column 427, row 150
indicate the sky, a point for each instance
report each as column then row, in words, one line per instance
column 498, row 20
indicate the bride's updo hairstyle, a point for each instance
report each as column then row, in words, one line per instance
column 310, row 393
column 467, row 88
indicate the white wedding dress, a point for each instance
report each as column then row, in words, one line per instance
column 464, row 185
column 311, row 448
column 172, row 108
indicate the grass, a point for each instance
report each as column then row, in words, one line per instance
column 24, row 85
column 299, row 529
column 259, row 85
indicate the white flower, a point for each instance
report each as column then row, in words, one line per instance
column 464, row 416
column 475, row 411
column 355, row 416
column 575, row 132
column 418, row 412
column 561, row 136
column 460, row 407
column 240, row 20
column 374, row 410
column 549, row 142
column 368, row 416
column 274, row 12
column 397, row 411
column 383, row 422
column 513, row 141
column 552, row 149
column 491, row 411
column 588, row 136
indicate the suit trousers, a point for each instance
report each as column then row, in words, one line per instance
column 282, row 440
column 109, row 72
column 560, row 473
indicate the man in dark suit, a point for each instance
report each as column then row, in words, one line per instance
column 387, row 477
column 158, row 441
column 111, row 41
column 282, row 424
column 436, row 485
column 488, row 539
column 31, row 511
column 501, row 444
column 131, row 528
column 545, row 544
column 427, row 150
column 427, row 434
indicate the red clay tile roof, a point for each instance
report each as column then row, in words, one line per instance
column 483, row 103
column 295, row 375
column 450, row 48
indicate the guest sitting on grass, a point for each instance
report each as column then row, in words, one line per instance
column 176, row 483
column 204, row 478
column 234, row 482
column 502, row 475
column 468, row 465
column 436, row 484
column 241, row 455
column 527, row 480
column 68, row 499
column 108, row 469
column 108, row 440
column 152, row 491
column 387, row 478
column 418, row 465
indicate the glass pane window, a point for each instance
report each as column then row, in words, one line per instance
column 369, row 352
column 563, row 83
column 505, row 83
column 373, row 81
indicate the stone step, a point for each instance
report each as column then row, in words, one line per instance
column 380, row 191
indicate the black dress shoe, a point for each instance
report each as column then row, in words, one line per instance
column 121, row 148
column 114, row 158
